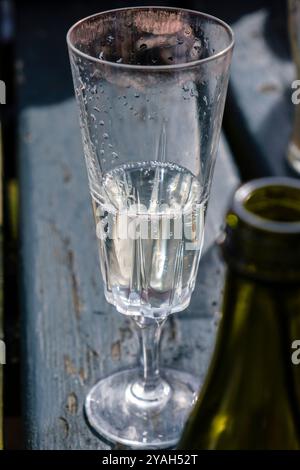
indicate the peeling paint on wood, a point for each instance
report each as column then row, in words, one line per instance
column 116, row 351
column 64, row 426
column 69, row 366
column 72, row 404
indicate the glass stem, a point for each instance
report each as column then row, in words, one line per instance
column 150, row 383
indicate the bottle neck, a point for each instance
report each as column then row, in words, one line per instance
column 261, row 313
column 260, row 322
column 251, row 395
column 261, row 310
column 262, row 232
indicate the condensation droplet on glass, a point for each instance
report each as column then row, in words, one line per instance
column 143, row 46
column 102, row 151
column 109, row 39
column 93, row 117
column 185, row 87
column 105, row 135
column 96, row 109
column 101, row 123
column 114, row 155
column 205, row 99
column 119, row 61
column 136, row 95
column 110, row 146
column 197, row 44
column 101, row 55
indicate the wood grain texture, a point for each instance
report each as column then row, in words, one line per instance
column 71, row 336
column 260, row 112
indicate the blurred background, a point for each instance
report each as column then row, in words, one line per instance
column 34, row 66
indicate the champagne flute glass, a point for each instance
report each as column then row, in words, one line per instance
column 151, row 85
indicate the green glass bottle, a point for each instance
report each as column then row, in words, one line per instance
column 251, row 396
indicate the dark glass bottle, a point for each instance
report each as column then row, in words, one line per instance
column 251, row 396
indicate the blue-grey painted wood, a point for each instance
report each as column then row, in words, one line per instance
column 71, row 336
column 260, row 111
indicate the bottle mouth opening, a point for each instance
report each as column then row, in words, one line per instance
column 269, row 204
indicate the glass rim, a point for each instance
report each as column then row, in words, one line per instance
column 257, row 221
column 153, row 68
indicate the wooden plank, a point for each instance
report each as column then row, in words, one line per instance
column 259, row 109
column 71, row 336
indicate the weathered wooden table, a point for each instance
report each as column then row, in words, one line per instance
column 260, row 111
column 71, row 336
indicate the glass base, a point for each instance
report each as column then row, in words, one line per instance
column 118, row 414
